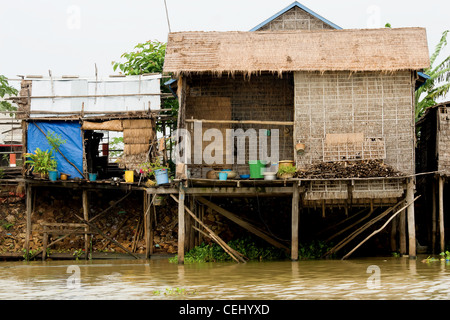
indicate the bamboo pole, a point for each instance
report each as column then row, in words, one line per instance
column 85, row 201
column 441, row 213
column 384, row 225
column 238, row 257
column 181, row 225
column 433, row 215
column 294, row 222
column 411, row 219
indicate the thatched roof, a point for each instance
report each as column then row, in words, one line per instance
column 319, row 50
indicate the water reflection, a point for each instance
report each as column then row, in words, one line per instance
column 398, row 278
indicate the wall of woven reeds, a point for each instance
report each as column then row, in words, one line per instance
column 295, row 19
column 377, row 106
column 443, row 115
column 265, row 97
column 138, row 135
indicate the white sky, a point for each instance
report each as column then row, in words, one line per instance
column 69, row 36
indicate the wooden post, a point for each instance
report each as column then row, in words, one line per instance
column 394, row 226
column 181, row 225
column 294, row 221
column 85, row 217
column 441, row 213
column 433, row 215
column 29, row 209
column 402, row 232
column 411, row 221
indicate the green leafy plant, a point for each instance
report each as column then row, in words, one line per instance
column 55, row 141
column 438, row 86
column 286, row 171
column 445, row 255
column 148, row 168
column 41, row 161
column 6, row 89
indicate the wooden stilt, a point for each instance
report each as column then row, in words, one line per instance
column 294, row 222
column 85, row 217
column 411, row 219
column 29, row 209
column 441, row 214
column 181, row 225
column 394, row 227
column 433, row 216
column 402, row 233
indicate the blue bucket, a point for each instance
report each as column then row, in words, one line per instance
column 223, row 176
column 162, row 176
column 53, row 175
column 92, row 176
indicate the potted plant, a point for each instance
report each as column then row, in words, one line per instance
column 41, row 162
column 155, row 169
column 286, row 172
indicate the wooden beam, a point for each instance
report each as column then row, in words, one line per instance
column 294, row 222
column 411, row 220
column 441, row 213
column 181, row 225
column 402, row 232
column 275, row 123
column 244, row 224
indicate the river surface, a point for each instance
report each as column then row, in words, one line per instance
column 367, row 278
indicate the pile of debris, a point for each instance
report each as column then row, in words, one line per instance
column 349, row 169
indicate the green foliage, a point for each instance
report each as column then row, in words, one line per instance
column 6, row 89
column 148, row 57
column 246, row 246
column 289, row 170
column 312, row 250
column 55, row 141
column 438, row 86
column 148, row 168
column 175, row 292
column 114, row 144
column 41, row 161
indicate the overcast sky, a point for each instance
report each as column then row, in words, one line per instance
column 69, row 36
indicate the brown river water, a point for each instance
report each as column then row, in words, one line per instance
column 366, row 278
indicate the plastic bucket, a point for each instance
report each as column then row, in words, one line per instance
column 53, row 175
column 162, row 177
column 129, row 176
column 92, row 176
column 223, row 176
column 256, row 169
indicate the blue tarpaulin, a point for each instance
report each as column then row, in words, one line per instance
column 72, row 149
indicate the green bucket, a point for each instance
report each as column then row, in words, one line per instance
column 256, row 169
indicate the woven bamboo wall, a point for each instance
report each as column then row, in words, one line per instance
column 265, row 97
column 295, row 19
column 137, row 137
column 444, row 140
column 377, row 105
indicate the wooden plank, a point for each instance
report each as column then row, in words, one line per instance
column 242, row 223
column 294, row 222
column 411, row 221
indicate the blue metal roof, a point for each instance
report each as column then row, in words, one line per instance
column 296, row 4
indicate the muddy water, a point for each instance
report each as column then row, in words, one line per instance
column 374, row 278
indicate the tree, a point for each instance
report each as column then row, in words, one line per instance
column 438, row 85
column 6, row 89
column 147, row 57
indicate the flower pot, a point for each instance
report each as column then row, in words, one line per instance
column 162, row 176
column 64, row 176
column 211, row 174
column 53, row 175
column 92, row 176
column 300, row 148
column 270, row 175
column 285, row 163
